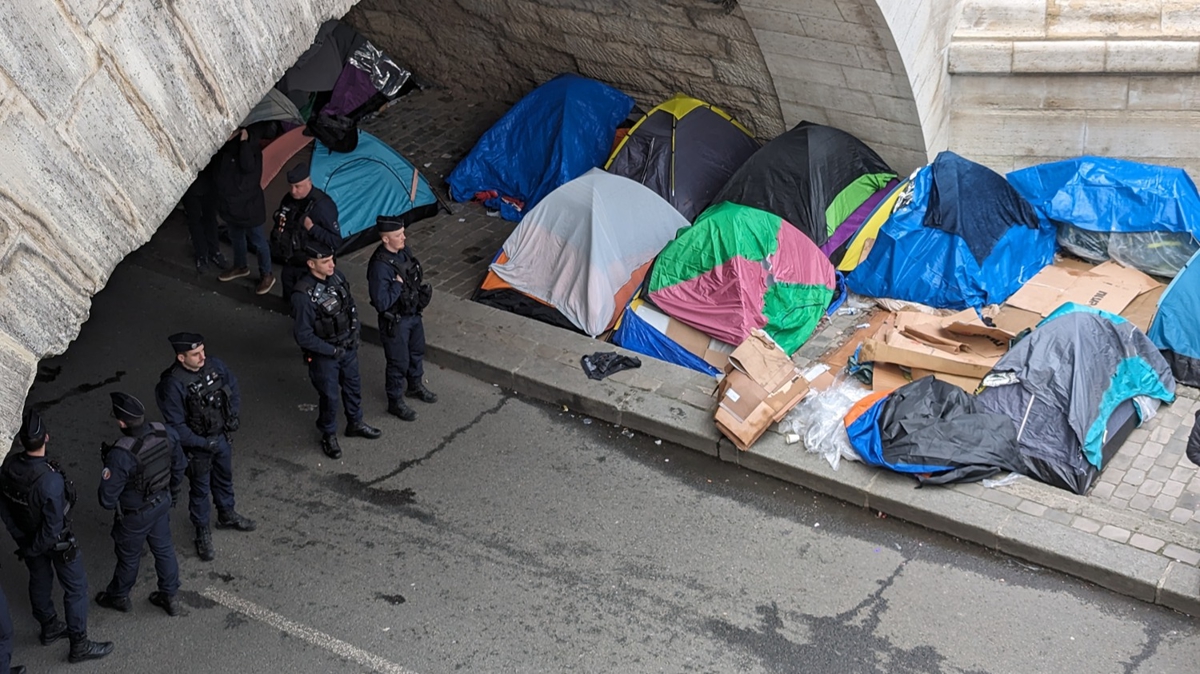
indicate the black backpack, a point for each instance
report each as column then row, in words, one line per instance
column 338, row 132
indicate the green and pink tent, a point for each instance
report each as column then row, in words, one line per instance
column 738, row 268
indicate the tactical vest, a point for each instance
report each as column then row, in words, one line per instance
column 336, row 317
column 206, row 399
column 414, row 296
column 17, row 481
column 152, row 452
column 288, row 236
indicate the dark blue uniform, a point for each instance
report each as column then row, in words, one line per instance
column 6, row 635
column 394, row 281
column 329, row 341
column 210, row 457
column 37, row 530
column 321, row 209
column 141, row 518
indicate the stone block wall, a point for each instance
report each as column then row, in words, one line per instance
column 1040, row 80
column 107, row 111
column 648, row 48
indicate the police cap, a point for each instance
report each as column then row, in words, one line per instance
column 33, row 432
column 127, row 408
column 389, row 223
column 316, row 250
column 297, row 173
column 183, row 342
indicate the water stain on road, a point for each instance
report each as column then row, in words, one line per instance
column 234, row 620
column 223, row 577
column 47, row 373
column 77, row 391
column 393, row 599
column 196, row 600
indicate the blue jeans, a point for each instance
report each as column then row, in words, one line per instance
column 239, row 236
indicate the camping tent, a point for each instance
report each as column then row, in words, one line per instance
column 813, row 177
column 863, row 238
column 739, row 268
column 685, row 150
column 965, row 238
column 1063, row 383
column 1176, row 328
column 646, row 330
column 274, row 107
column 1141, row 215
column 554, row 134
column 835, row 247
column 934, row 431
column 372, row 180
column 585, row 248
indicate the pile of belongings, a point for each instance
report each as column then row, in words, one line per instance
column 1142, row 215
column 556, row 133
column 961, row 237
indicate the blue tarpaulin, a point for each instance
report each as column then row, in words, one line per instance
column 637, row 335
column 372, row 180
column 553, row 135
column 964, row 238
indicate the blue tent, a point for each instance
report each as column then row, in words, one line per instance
column 372, row 180
column 1176, row 330
column 635, row 334
column 553, row 135
column 963, row 237
column 1142, row 215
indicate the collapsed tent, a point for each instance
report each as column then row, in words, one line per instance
column 963, row 237
column 372, row 180
column 554, row 134
column 685, row 150
column 646, row 330
column 1176, row 327
column 934, row 431
column 739, row 268
column 1141, row 215
column 1064, row 386
column 584, row 250
column 813, row 177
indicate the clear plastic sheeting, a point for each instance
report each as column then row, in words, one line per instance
column 819, row 420
column 386, row 75
column 1156, row 253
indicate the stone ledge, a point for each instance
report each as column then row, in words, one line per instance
column 968, row 57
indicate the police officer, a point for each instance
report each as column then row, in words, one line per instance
column 6, row 639
column 305, row 212
column 327, row 331
column 35, row 501
column 141, row 481
column 399, row 293
column 199, row 400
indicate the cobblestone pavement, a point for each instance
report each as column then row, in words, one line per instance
column 1147, row 498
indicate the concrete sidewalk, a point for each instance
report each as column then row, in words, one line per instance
column 1137, row 532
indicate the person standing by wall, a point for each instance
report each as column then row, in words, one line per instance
column 241, row 204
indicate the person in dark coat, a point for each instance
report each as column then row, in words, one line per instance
column 241, row 205
column 200, row 207
column 399, row 293
column 199, row 400
column 141, row 481
column 305, row 212
column 35, row 503
column 327, row 330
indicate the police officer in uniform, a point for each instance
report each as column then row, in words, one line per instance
column 327, row 331
column 399, row 293
column 199, row 400
column 6, row 639
column 141, row 481
column 35, row 501
column 305, row 212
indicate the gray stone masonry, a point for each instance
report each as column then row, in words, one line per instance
column 1137, row 532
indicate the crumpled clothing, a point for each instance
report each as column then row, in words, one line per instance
column 602, row 364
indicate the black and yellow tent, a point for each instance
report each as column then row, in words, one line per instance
column 685, row 150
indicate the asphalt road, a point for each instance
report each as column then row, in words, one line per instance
column 499, row 534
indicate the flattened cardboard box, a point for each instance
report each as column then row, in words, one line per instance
column 956, row 345
column 761, row 384
column 1110, row 286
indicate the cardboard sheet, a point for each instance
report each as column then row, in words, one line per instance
column 761, row 384
column 1110, row 286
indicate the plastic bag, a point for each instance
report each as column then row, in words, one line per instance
column 819, row 420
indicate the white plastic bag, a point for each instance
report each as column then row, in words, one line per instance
column 819, row 420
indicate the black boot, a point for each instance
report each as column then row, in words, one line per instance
column 362, row 430
column 114, row 602
column 19, row 669
column 329, row 445
column 52, row 631
column 166, row 602
column 421, row 393
column 398, row 408
column 84, row 649
column 232, row 520
column 204, row 546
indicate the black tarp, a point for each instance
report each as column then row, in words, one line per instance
column 799, row 174
column 933, row 423
column 974, row 203
column 685, row 160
